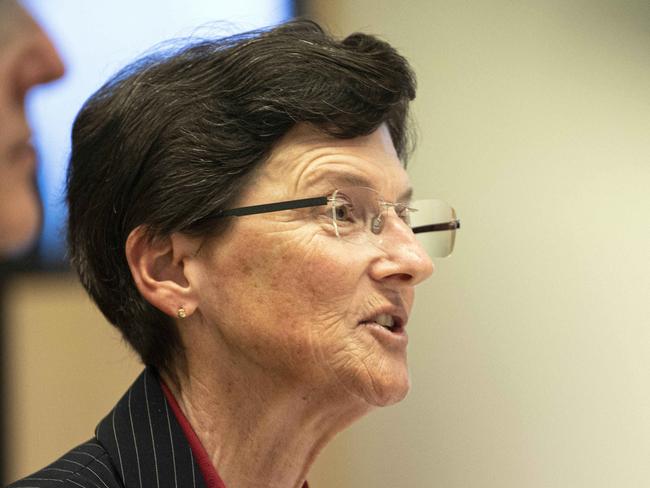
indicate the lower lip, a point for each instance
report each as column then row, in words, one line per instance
column 385, row 336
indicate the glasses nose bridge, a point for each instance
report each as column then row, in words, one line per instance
column 401, row 247
column 385, row 206
column 379, row 221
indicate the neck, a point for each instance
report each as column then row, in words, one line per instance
column 256, row 430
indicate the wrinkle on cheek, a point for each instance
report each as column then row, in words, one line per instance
column 350, row 362
column 312, row 275
column 358, row 363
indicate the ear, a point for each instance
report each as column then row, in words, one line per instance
column 158, row 269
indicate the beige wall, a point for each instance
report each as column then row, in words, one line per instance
column 66, row 369
column 530, row 349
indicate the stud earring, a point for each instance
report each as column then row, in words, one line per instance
column 181, row 313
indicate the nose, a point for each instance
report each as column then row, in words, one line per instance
column 403, row 261
column 40, row 62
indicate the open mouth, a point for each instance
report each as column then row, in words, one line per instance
column 391, row 323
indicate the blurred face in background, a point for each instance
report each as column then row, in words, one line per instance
column 27, row 58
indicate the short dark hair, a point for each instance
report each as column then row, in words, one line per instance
column 174, row 137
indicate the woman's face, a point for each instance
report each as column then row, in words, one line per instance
column 290, row 299
column 27, row 58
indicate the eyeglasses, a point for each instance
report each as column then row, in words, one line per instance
column 358, row 215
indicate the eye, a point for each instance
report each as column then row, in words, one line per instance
column 343, row 209
column 343, row 212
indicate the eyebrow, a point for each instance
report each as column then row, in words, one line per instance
column 338, row 179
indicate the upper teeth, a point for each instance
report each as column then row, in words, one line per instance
column 385, row 320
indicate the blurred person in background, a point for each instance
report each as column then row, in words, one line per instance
column 239, row 209
column 27, row 59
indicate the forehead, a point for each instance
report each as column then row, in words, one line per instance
column 306, row 160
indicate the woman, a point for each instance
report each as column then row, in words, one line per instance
column 240, row 210
column 27, row 59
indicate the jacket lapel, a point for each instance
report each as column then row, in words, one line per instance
column 146, row 444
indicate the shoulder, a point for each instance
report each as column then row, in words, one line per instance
column 86, row 466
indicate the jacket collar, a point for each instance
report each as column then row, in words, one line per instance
column 146, row 444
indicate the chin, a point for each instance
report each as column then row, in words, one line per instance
column 376, row 378
column 389, row 396
column 387, row 387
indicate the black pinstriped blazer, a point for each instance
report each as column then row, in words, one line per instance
column 138, row 445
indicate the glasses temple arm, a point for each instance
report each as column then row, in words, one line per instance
column 274, row 207
column 453, row 225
